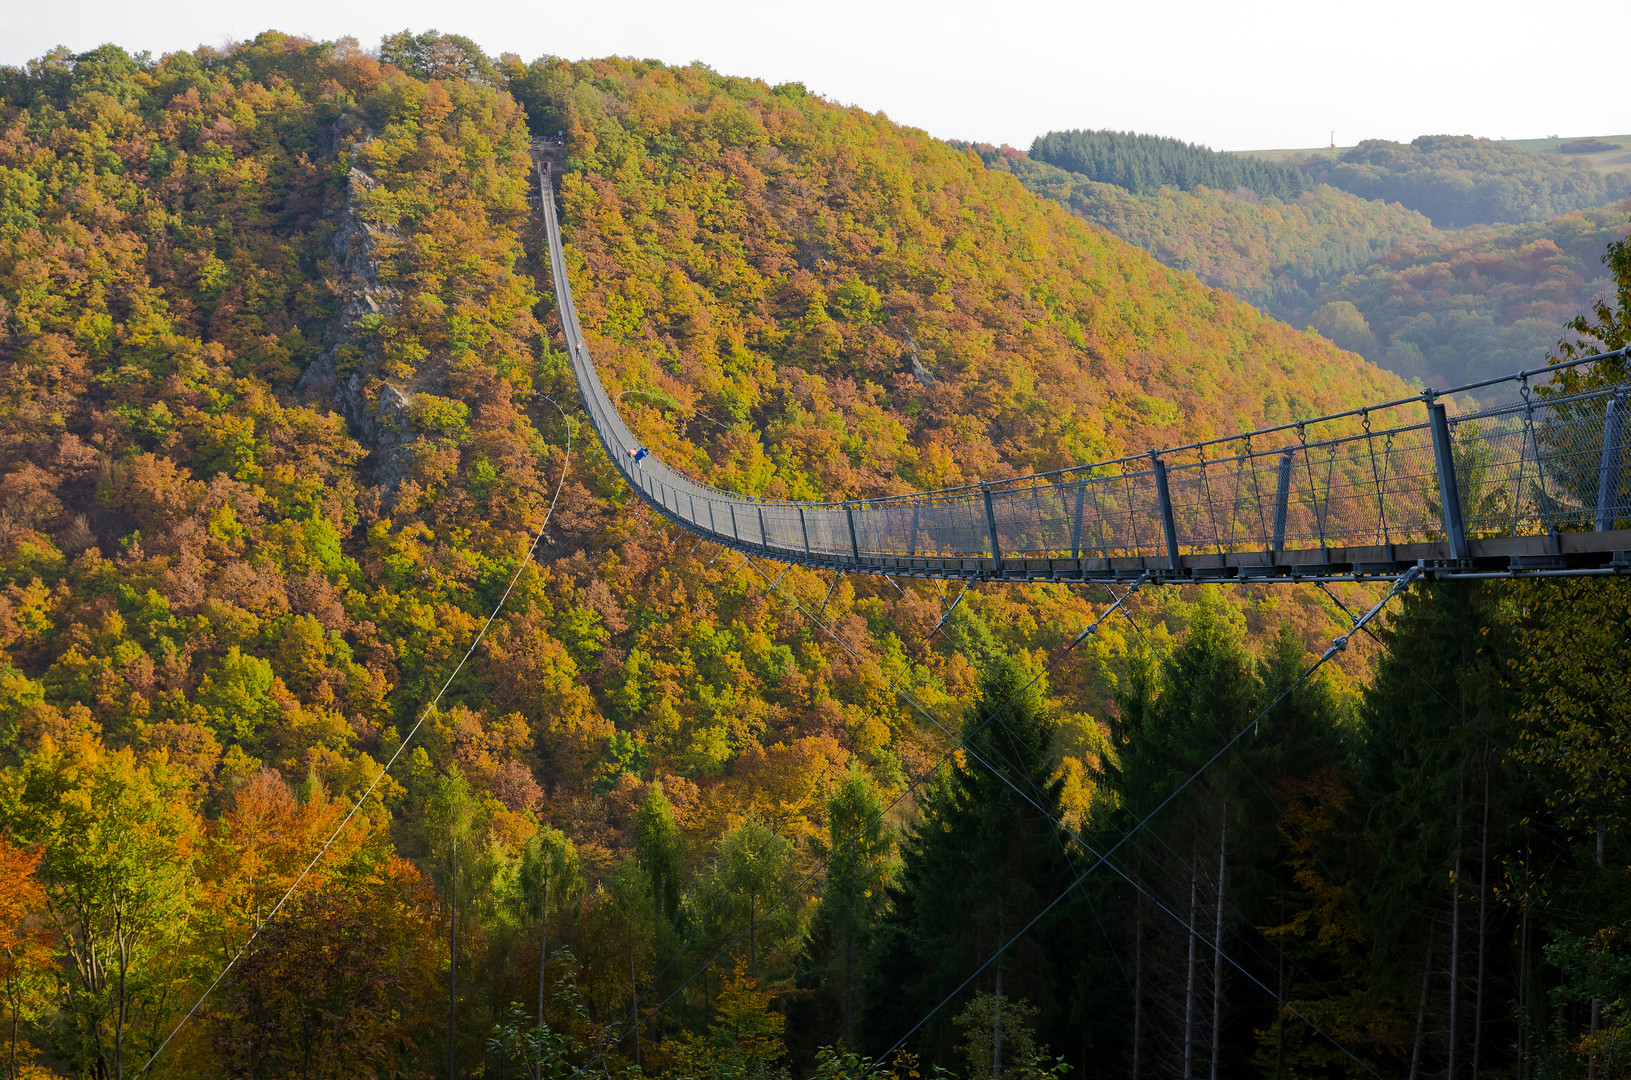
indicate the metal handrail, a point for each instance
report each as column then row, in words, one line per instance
column 1330, row 490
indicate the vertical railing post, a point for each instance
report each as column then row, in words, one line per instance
column 763, row 541
column 991, row 528
column 1282, row 500
column 1169, row 520
column 1608, row 470
column 911, row 545
column 1076, row 523
column 734, row 530
column 805, row 529
column 1455, row 529
column 854, row 544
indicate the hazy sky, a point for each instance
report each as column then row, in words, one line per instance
column 1245, row 75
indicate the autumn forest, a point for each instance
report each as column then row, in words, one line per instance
column 357, row 720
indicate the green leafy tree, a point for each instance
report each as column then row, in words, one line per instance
column 744, row 1042
column 118, row 868
column 987, row 1017
column 750, row 889
column 549, row 884
column 658, row 847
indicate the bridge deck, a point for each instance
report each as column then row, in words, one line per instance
column 1534, row 485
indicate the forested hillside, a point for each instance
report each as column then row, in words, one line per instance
column 1476, row 303
column 1458, row 180
column 1441, row 306
column 282, row 419
column 1144, row 164
column 1277, row 254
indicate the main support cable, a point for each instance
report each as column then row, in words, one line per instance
column 1105, row 858
column 1261, row 786
column 386, row 768
column 1337, row 645
column 1216, row 947
column 961, row 744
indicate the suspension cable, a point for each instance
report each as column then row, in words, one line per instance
column 1337, row 645
column 959, row 745
column 386, row 768
column 1104, row 859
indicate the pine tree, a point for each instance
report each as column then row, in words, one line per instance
column 860, row 865
column 1174, row 717
column 1436, row 714
column 979, row 865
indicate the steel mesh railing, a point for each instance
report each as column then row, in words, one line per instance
column 1547, row 461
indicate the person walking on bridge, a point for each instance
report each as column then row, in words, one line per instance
column 639, row 455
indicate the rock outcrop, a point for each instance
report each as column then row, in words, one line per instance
column 348, row 374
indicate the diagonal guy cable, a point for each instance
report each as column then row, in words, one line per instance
column 1105, row 858
column 1336, row 646
column 960, row 744
column 335, row 835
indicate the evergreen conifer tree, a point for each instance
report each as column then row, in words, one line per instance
column 980, row 864
column 860, row 864
column 1174, row 717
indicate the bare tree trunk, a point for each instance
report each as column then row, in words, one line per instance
column 1455, row 944
column 543, row 955
column 1483, row 926
column 1138, row 983
column 453, row 959
column 1596, row 1003
column 1217, row 943
column 1189, row 988
column 119, row 1025
column 849, row 952
column 634, row 989
column 1523, row 994
column 1280, row 1011
column 1421, row 1009
column 849, row 989
column 996, row 1031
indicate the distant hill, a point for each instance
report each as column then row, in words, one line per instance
column 1460, row 180
column 1144, row 164
column 1443, row 306
column 1476, row 303
column 1278, row 254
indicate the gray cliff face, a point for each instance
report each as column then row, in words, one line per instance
column 347, row 375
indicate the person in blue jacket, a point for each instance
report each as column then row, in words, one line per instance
column 639, row 455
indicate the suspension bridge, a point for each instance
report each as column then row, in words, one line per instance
column 1536, row 485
